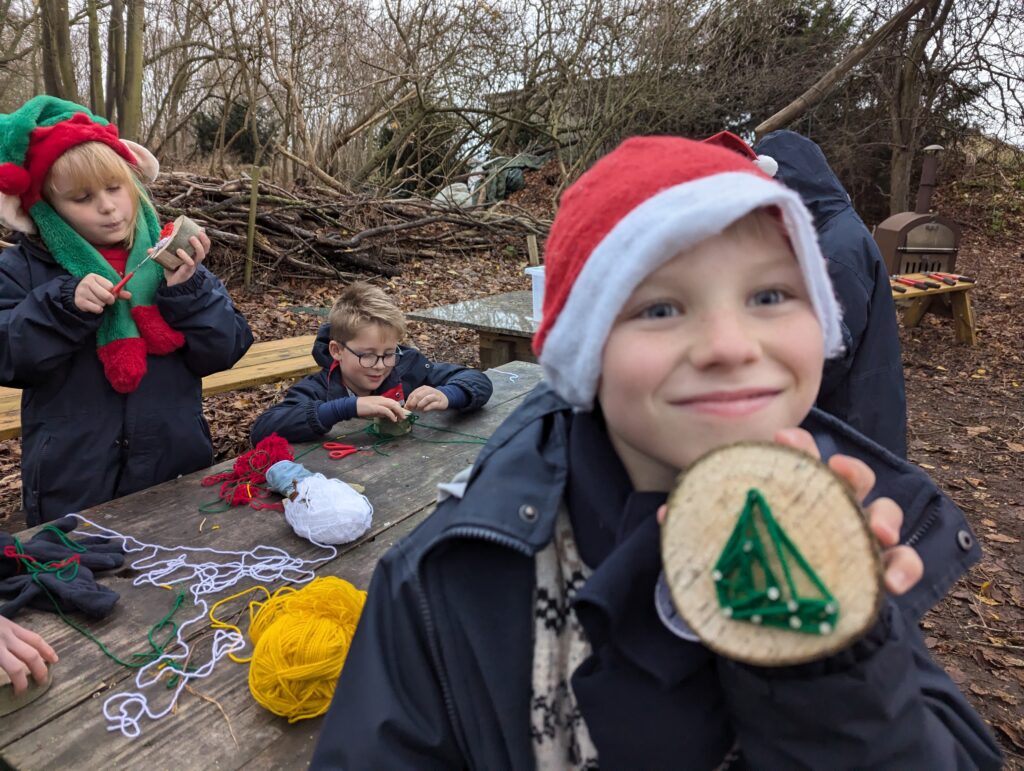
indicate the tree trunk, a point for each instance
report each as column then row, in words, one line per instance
column 900, row 168
column 908, row 109
column 96, row 101
column 130, row 121
column 58, row 69
column 115, row 62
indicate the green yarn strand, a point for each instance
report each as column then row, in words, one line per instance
column 749, row 589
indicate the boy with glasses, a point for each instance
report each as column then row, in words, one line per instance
column 367, row 374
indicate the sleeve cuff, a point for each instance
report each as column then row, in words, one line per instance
column 67, row 301
column 458, row 397
column 335, row 411
column 192, row 286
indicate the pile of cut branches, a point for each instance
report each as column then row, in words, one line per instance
column 322, row 232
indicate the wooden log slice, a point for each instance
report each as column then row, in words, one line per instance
column 166, row 250
column 9, row 702
column 813, row 507
column 392, row 428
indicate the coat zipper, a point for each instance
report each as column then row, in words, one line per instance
column 428, row 620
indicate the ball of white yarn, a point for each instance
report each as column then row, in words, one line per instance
column 328, row 511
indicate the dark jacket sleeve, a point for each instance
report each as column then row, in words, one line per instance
column 295, row 417
column 884, row 702
column 475, row 383
column 389, row 709
column 854, row 298
column 40, row 327
column 216, row 334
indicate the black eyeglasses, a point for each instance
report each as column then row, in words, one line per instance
column 369, row 360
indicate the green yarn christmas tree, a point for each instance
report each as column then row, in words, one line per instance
column 747, row 583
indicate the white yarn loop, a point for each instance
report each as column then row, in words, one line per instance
column 512, row 376
column 173, row 565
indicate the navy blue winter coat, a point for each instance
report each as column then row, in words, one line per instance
column 865, row 387
column 83, row 442
column 439, row 672
column 295, row 418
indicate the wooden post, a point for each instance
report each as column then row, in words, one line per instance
column 250, row 236
column 532, row 250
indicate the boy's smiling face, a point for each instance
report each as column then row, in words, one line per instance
column 720, row 344
column 375, row 339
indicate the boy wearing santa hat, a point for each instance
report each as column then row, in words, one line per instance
column 687, row 306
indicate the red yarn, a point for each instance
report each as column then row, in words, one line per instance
column 243, row 484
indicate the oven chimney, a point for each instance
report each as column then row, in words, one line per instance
column 926, row 188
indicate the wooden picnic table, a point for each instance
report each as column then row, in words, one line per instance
column 504, row 323
column 65, row 727
column 916, row 302
column 265, row 362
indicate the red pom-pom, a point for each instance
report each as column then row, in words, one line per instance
column 14, row 180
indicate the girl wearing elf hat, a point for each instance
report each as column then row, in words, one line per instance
column 687, row 306
column 111, row 385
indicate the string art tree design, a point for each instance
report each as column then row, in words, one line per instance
column 769, row 584
column 747, row 576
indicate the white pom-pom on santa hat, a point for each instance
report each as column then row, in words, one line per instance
column 767, row 164
column 634, row 210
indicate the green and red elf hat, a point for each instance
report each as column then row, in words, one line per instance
column 31, row 139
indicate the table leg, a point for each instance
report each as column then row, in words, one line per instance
column 496, row 350
column 963, row 318
column 915, row 310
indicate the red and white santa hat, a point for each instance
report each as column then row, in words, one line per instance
column 631, row 212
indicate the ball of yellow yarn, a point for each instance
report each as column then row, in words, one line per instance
column 301, row 638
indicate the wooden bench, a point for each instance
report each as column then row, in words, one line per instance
column 503, row 321
column 916, row 302
column 265, row 362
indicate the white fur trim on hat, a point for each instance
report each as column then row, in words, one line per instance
column 13, row 216
column 654, row 232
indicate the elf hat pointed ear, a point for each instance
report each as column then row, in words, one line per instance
column 146, row 161
column 13, row 216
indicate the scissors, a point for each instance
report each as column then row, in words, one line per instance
column 337, row 450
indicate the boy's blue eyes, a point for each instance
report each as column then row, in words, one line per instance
column 667, row 310
column 768, row 297
column 659, row 311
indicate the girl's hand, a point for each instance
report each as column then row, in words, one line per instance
column 426, row 399
column 201, row 245
column 23, row 652
column 93, row 295
column 903, row 565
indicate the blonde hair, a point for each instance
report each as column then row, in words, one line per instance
column 90, row 163
column 759, row 223
column 359, row 305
